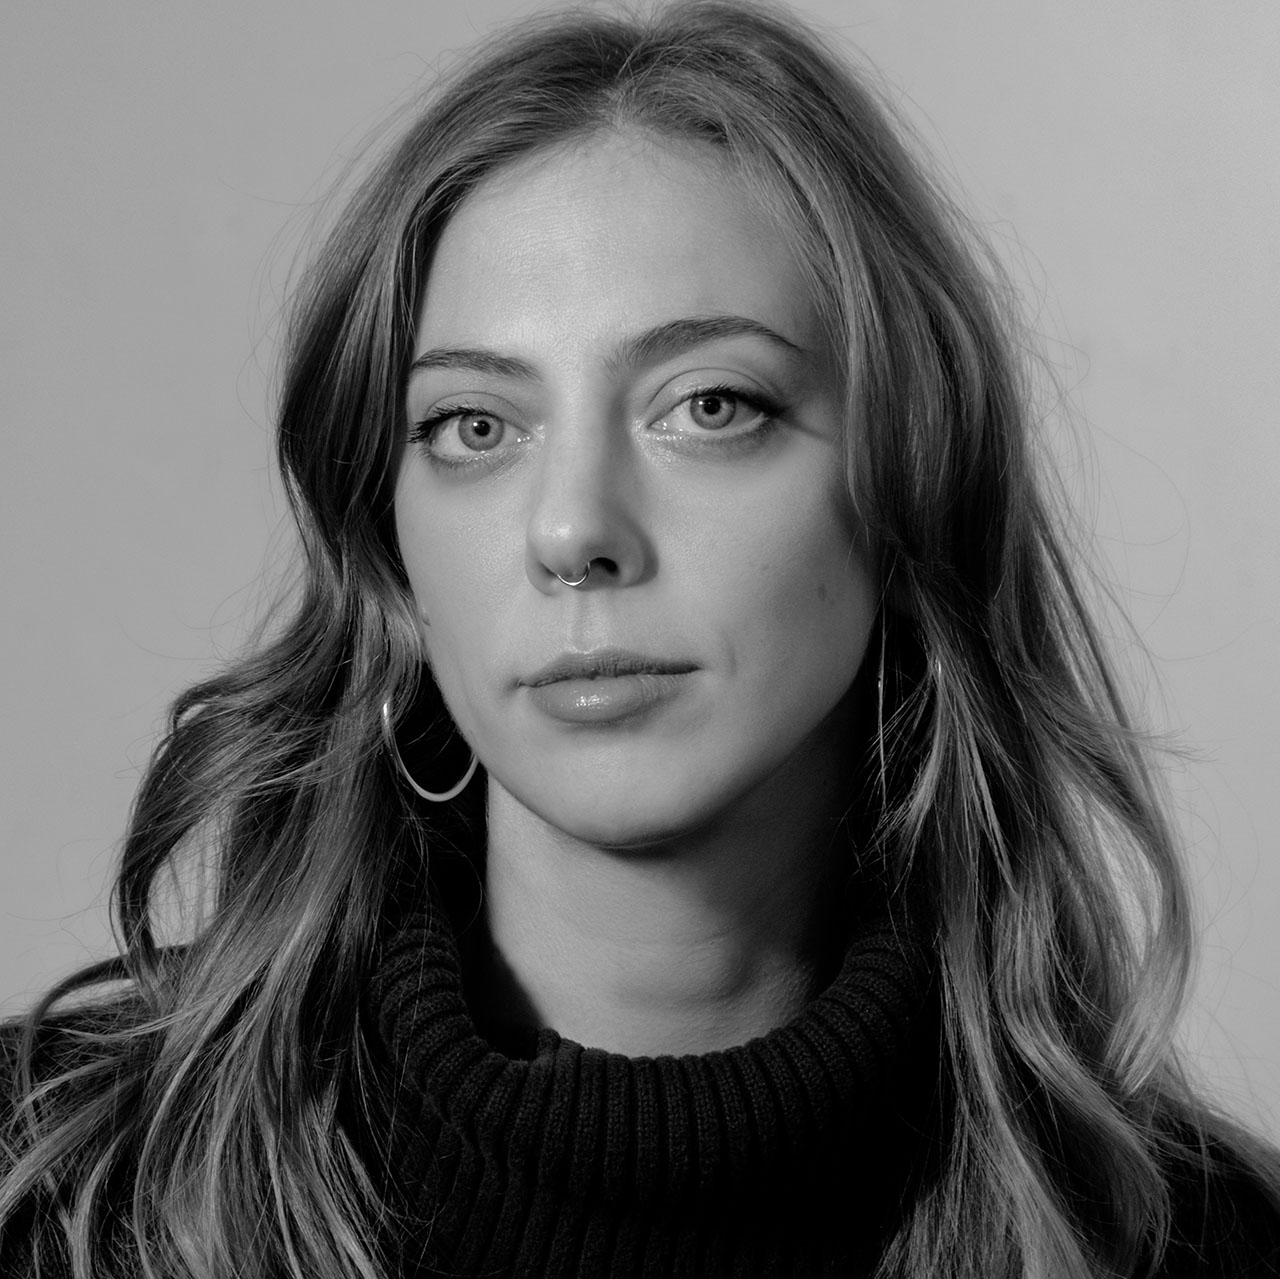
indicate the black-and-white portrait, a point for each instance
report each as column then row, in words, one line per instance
column 640, row 640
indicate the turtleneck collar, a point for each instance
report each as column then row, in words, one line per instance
column 790, row 1154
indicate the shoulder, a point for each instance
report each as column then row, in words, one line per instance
column 1226, row 1218
column 69, row 1058
column 13, row 1072
column 29, row 1056
column 37, row 1049
column 56, row 1070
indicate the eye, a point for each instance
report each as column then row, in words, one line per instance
column 714, row 410
column 719, row 410
column 479, row 432
column 456, row 434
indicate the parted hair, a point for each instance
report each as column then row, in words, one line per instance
column 183, row 1109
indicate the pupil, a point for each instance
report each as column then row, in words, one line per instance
column 480, row 432
column 713, row 411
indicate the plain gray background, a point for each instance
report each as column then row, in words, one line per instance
column 161, row 162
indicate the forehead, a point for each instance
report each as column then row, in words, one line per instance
column 587, row 240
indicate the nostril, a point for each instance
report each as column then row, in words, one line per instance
column 599, row 565
column 574, row 581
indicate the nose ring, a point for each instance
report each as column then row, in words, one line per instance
column 578, row 580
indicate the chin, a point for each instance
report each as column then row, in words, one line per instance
column 635, row 814
column 641, row 795
column 628, row 828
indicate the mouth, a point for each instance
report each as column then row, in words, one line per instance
column 608, row 686
column 609, row 663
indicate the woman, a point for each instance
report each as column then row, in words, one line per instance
column 656, row 439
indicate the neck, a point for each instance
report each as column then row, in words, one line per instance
column 687, row 946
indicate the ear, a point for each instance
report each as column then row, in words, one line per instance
column 408, row 627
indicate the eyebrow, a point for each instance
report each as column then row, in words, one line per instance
column 696, row 330
column 657, row 343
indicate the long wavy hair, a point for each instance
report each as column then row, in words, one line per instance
column 184, row 1109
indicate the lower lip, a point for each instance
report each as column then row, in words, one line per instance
column 599, row 701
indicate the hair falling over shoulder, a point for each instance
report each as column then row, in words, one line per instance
column 183, row 1109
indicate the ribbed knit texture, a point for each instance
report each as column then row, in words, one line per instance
column 789, row 1155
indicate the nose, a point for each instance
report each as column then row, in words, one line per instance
column 586, row 517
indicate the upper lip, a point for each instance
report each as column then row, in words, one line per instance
column 603, row 662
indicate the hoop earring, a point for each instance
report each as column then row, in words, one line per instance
column 444, row 796
column 884, row 777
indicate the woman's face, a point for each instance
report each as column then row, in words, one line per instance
column 618, row 364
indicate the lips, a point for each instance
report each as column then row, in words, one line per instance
column 604, row 664
column 608, row 686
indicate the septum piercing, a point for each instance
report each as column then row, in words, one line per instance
column 586, row 572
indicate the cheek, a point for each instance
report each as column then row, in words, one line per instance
column 441, row 586
column 452, row 563
column 415, row 541
column 806, row 601
column 809, row 560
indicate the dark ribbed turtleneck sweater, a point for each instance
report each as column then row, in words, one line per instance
column 793, row 1154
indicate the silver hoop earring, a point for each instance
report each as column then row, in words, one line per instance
column 884, row 779
column 444, row 796
column 586, row 572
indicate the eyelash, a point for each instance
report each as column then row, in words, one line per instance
column 426, row 428
column 424, row 431
column 765, row 408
